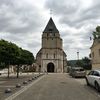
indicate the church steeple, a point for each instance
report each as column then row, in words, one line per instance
column 50, row 28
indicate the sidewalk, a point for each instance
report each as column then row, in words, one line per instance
column 12, row 81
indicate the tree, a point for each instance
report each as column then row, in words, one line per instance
column 96, row 33
column 78, row 63
column 86, row 63
column 26, row 58
column 8, row 53
column 11, row 54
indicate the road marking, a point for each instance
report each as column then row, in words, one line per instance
column 23, row 89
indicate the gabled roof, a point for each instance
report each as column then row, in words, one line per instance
column 50, row 28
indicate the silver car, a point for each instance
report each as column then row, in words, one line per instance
column 93, row 78
column 78, row 72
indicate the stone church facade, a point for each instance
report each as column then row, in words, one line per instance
column 51, row 57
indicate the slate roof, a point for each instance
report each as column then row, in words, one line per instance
column 50, row 27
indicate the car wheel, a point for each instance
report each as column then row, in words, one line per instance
column 87, row 82
column 97, row 86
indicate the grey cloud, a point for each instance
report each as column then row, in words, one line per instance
column 22, row 23
column 33, row 45
column 79, row 20
column 63, row 6
column 17, row 17
column 72, row 13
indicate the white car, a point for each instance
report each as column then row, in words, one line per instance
column 93, row 78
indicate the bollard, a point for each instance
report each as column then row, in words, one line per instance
column 25, row 82
column 30, row 80
column 33, row 78
column 18, row 85
column 8, row 90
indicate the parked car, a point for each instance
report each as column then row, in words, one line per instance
column 93, row 78
column 77, row 72
column 3, row 71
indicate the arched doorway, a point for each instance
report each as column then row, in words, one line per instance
column 50, row 67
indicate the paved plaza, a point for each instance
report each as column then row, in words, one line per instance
column 56, row 87
column 11, row 82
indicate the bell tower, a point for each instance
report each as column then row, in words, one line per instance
column 51, row 55
column 51, row 37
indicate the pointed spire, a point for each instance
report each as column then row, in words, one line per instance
column 50, row 28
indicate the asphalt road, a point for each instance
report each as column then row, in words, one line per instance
column 57, row 87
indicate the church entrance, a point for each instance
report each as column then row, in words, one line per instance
column 50, row 67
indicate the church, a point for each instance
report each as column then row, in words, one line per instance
column 51, row 57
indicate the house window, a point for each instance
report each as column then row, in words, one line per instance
column 47, row 55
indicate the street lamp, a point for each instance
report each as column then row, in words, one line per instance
column 77, row 58
column 77, row 55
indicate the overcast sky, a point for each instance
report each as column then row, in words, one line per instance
column 23, row 21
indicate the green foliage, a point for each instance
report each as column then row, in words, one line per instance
column 26, row 57
column 87, row 63
column 74, row 63
column 10, row 53
column 2, row 65
column 96, row 33
column 78, row 63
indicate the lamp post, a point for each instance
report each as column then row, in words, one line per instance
column 78, row 55
column 78, row 58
